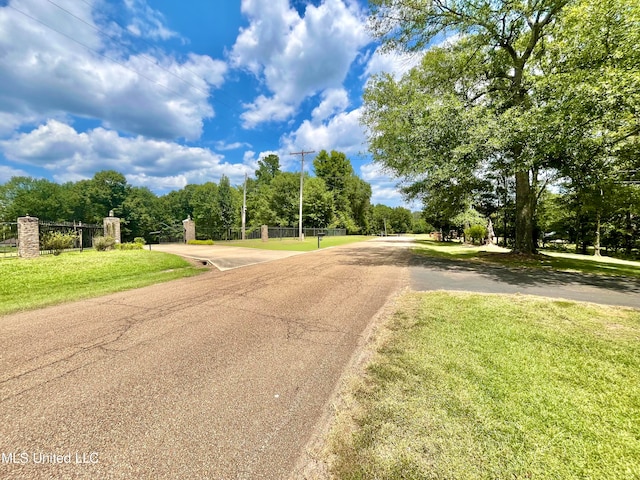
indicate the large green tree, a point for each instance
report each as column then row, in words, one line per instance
column 462, row 110
column 351, row 195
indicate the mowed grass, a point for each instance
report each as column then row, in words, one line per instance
column 468, row 386
column 47, row 280
column 546, row 260
column 293, row 244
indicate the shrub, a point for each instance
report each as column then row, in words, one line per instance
column 58, row 241
column 477, row 233
column 139, row 240
column 103, row 243
column 129, row 246
column 200, row 242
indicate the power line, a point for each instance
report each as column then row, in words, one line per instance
column 133, row 70
column 150, row 60
column 150, row 45
column 93, row 50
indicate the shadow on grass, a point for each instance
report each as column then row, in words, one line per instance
column 508, row 270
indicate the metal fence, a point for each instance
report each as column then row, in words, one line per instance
column 284, row 232
column 170, row 233
column 8, row 239
column 292, row 232
column 84, row 233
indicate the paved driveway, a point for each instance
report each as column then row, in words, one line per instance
column 221, row 376
column 223, row 257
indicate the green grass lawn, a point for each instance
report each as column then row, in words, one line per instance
column 309, row 243
column 468, row 386
column 47, row 280
column 550, row 260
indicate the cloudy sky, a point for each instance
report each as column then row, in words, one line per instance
column 171, row 93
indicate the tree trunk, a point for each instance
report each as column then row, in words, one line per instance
column 629, row 233
column 596, row 245
column 525, row 199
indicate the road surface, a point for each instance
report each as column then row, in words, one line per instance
column 221, row 376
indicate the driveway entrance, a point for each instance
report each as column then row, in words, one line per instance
column 222, row 257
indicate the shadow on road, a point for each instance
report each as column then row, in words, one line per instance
column 478, row 272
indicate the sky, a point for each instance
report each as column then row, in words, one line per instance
column 175, row 93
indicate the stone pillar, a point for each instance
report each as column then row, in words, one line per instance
column 28, row 237
column 189, row 229
column 112, row 227
column 264, row 233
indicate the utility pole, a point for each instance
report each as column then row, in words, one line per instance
column 244, row 207
column 302, row 154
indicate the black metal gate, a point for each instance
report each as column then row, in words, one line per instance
column 84, row 233
column 8, row 239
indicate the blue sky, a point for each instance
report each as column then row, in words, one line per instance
column 171, row 93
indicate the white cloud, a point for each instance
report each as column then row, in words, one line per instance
column 334, row 101
column 222, row 146
column 147, row 22
column 7, row 172
column 71, row 155
column 296, row 57
column 265, row 109
column 393, row 63
column 46, row 74
column 343, row 132
column 383, row 187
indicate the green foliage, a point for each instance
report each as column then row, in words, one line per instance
column 390, row 220
column 268, row 168
column 103, row 243
column 419, row 224
column 272, row 199
column 477, row 233
column 129, row 246
column 57, row 242
column 140, row 240
column 227, row 204
column 284, row 199
column 200, row 242
column 527, row 88
column 350, row 195
column 317, row 204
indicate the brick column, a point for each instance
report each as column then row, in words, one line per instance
column 112, row 227
column 28, row 237
column 264, row 233
column 189, row 229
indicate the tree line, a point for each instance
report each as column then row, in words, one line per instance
column 334, row 198
column 523, row 95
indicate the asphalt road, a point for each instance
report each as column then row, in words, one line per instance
column 443, row 274
column 222, row 376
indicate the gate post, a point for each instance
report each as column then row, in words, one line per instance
column 189, row 229
column 264, row 233
column 112, row 227
column 28, row 237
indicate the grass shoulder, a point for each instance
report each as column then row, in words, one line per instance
column 293, row 244
column 48, row 280
column 470, row 386
column 545, row 260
